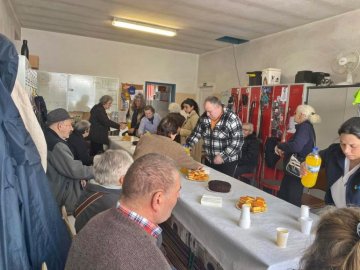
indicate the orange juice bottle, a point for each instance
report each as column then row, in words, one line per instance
column 313, row 163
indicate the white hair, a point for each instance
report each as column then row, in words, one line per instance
column 110, row 166
column 174, row 108
column 309, row 113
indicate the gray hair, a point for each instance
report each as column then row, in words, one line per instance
column 250, row 125
column 174, row 108
column 110, row 166
column 147, row 174
column 105, row 99
column 213, row 100
column 82, row 126
column 309, row 113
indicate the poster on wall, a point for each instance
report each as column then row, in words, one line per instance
column 127, row 94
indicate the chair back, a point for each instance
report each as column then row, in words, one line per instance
column 69, row 225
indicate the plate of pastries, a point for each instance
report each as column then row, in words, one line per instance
column 198, row 175
column 257, row 204
column 126, row 138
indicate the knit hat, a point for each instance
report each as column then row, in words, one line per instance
column 57, row 115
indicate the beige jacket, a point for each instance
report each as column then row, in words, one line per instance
column 188, row 126
column 22, row 102
column 152, row 143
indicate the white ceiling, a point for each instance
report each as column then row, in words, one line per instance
column 199, row 22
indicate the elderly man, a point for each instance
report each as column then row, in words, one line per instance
column 103, row 192
column 125, row 237
column 64, row 172
column 222, row 133
column 150, row 122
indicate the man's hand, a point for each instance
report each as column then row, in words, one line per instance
column 123, row 125
column 218, row 159
column 83, row 183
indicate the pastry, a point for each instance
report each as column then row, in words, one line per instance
column 219, row 186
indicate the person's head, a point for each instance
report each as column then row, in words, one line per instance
column 213, row 107
column 306, row 112
column 190, row 105
column 111, row 166
column 248, row 128
column 174, row 108
column 337, row 242
column 138, row 102
column 60, row 121
column 168, row 127
column 151, row 187
column 83, row 127
column 106, row 101
column 349, row 133
column 149, row 111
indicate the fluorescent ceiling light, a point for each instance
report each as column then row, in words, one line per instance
column 139, row 26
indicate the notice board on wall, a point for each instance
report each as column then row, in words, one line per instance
column 76, row 92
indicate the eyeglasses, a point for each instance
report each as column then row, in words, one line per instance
column 246, row 129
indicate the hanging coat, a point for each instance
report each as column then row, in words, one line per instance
column 31, row 228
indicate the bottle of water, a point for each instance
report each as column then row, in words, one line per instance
column 313, row 163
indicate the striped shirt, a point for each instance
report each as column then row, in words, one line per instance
column 147, row 225
column 226, row 138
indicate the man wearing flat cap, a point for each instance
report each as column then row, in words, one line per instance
column 64, row 172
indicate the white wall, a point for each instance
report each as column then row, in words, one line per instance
column 131, row 63
column 310, row 47
column 9, row 25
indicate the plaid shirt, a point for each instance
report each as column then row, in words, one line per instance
column 225, row 139
column 147, row 225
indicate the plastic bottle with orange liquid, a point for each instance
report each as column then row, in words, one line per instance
column 313, row 164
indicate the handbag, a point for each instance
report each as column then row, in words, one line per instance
column 293, row 165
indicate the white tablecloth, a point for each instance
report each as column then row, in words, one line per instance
column 235, row 248
column 115, row 142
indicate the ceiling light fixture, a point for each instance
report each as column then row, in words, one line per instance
column 145, row 27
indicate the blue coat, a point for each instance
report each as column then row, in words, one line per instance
column 31, row 227
column 333, row 159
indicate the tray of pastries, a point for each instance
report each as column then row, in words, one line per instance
column 257, row 204
column 197, row 175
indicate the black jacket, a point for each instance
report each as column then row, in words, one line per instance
column 333, row 159
column 80, row 148
column 100, row 125
column 250, row 151
column 108, row 200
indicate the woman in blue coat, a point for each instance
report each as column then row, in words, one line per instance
column 301, row 144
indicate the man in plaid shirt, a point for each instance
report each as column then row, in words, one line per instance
column 222, row 133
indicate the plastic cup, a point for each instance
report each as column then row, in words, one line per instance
column 245, row 220
column 306, row 223
column 282, row 235
column 304, row 212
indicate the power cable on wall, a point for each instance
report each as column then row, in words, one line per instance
column 236, row 66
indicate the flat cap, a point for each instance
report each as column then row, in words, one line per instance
column 57, row 115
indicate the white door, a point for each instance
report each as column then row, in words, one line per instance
column 204, row 92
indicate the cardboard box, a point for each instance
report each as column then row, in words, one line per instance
column 34, row 61
column 271, row 76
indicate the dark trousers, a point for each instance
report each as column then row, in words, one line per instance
column 226, row 168
column 291, row 189
column 96, row 148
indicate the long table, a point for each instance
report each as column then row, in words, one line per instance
column 218, row 231
column 115, row 142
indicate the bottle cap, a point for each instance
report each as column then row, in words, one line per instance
column 315, row 149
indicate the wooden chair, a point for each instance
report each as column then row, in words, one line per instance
column 273, row 183
column 312, row 201
column 254, row 176
column 69, row 225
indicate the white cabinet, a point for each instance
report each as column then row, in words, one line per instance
column 334, row 105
